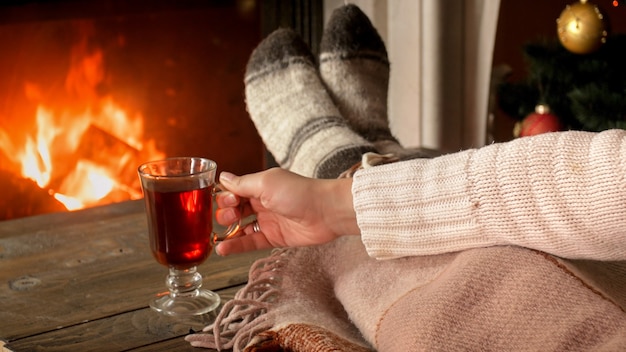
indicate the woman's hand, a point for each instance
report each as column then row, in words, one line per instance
column 291, row 210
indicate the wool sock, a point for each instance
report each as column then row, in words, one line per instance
column 355, row 69
column 293, row 113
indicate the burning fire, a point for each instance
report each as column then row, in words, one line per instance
column 82, row 157
column 96, row 156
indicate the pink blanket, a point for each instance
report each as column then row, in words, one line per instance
column 336, row 298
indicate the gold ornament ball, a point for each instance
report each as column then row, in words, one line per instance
column 581, row 28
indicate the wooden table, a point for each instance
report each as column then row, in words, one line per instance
column 81, row 281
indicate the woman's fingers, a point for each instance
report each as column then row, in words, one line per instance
column 248, row 186
column 227, row 216
column 252, row 242
column 226, row 199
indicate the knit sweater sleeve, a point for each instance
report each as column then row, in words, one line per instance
column 563, row 193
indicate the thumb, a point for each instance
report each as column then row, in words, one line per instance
column 243, row 186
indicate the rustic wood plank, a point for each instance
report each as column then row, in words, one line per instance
column 52, row 220
column 177, row 344
column 140, row 330
column 62, row 300
column 62, row 270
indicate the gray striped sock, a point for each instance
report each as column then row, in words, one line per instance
column 355, row 69
column 293, row 112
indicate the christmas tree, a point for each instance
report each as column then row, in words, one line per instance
column 583, row 91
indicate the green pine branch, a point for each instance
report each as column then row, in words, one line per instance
column 587, row 92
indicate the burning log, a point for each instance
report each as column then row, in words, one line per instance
column 107, row 152
column 22, row 197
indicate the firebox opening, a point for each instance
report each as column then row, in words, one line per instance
column 92, row 89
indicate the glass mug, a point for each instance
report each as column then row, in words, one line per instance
column 178, row 195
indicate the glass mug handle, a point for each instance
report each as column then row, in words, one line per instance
column 233, row 229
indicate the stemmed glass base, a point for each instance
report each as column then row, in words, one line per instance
column 185, row 296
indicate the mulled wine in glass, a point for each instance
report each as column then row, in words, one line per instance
column 178, row 194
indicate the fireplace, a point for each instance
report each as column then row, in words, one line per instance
column 91, row 89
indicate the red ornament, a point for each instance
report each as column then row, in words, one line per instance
column 540, row 121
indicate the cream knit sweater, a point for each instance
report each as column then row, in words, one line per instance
column 562, row 193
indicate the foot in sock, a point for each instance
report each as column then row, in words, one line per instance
column 293, row 113
column 355, row 69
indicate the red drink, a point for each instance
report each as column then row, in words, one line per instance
column 180, row 225
column 178, row 193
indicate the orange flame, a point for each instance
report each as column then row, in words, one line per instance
column 89, row 181
column 87, row 158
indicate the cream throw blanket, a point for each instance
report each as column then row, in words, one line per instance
column 335, row 297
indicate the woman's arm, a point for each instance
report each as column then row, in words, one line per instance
column 562, row 193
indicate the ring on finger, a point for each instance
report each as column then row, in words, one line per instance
column 255, row 226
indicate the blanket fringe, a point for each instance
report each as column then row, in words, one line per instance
column 245, row 316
